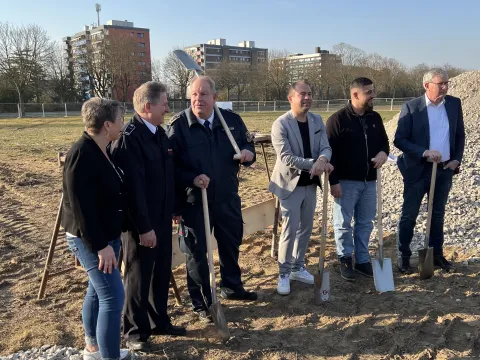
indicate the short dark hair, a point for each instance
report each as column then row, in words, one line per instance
column 96, row 111
column 293, row 86
column 360, row 82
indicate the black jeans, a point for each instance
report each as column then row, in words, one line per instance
column 412, row 199
column 147, row 281
column 226, row 220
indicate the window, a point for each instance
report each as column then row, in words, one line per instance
column 140, row 35
column 142, row 45
column 141, row 54
column 141, row 63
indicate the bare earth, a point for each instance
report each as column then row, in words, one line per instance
column 433, row 319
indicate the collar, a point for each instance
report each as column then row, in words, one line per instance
column 428, row 102
column 150, row 127
column 210, row 118
column 349, row 108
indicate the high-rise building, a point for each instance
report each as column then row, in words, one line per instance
column 297, row 65
column 212, row 53
column 93, row 41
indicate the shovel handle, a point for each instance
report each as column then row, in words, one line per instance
column 238, row 154
column 430, row 203
column 379, row 209
column 208, row 239
column 323, row 243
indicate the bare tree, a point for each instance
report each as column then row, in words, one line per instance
column 347, row 70
column 225, row 77
column 60, row 77
column 176, row 74
column 156, row 70
column 96, row 59
column 278, row 76
column 24, row 54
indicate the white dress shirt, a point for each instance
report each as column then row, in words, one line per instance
column 150, row 127
column 202, row 121
column 439, row 128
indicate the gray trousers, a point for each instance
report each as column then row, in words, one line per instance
column 297, row 222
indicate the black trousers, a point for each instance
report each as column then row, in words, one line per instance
column 412, row 199
column 226, row 221
column 146, row 281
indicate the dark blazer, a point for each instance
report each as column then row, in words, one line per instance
column 94, row 199
column 413, row 135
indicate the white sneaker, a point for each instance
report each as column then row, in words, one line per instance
column 302, row 275
column 87, row 355
column 283, row 287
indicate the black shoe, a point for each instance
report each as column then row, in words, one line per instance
column 170, row 330
column 364, row 269
column 443, row 263
column 346, row 269
column 204, row 316
column 405, row 268
column 138, row 345
column 242, row 295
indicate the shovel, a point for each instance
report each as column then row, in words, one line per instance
column 216, row 308
column 321, row 290
column 382, row 267
column 190, row 64
column 425, row 255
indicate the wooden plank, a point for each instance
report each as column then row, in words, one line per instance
column 256, row 218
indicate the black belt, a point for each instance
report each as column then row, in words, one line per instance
column 441, row 164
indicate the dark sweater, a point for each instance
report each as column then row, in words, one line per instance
column 94, row 200
column 354, row 144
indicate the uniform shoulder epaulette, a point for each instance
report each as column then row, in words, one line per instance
column 129, row 129
column 175, row 118
column 231, row 111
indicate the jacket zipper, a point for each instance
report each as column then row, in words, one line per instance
column 366, row 146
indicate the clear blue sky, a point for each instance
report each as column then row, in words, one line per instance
column 412, row 31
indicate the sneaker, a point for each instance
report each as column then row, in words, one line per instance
column 302, row 275
column 283, row 287
column 364, row 269
column 87, row 355
column 346, row 268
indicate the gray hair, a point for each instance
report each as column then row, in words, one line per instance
column 210, row 82
column 96, row 111
column 430, row 74
column 148, row 92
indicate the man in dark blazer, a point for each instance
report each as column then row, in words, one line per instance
column 430, row 129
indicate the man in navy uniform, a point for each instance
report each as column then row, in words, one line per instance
column 203, row 157
column 143, row 154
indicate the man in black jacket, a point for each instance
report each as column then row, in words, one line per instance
column 356, row 135
column 143, row 153
column 203, row 158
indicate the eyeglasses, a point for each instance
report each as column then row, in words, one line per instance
column 441, row 84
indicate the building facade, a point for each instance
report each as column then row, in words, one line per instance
column 88, row 52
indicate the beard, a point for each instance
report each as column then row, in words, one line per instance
column 368, row 106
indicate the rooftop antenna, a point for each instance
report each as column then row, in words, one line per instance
column 98, row 8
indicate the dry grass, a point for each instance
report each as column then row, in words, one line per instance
column 435, row 319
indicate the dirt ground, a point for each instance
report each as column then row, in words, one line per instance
column 434, row 319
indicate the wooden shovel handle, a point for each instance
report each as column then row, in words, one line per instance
column 208, row 240
column 324, row 217
column 228, row 132
column 379, row 207
column 430, row 202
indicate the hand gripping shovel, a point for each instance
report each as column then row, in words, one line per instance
column 425, row 255
column 190, row 64
column 216, row 309
column 322, row 278
column 382, row 267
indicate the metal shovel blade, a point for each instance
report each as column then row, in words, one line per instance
column 218, row 317
column 383, row 275
column 188, row 61
column 321, row 291
column 425, row 263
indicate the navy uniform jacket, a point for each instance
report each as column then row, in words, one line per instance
column 195, row 153
column 148, row 166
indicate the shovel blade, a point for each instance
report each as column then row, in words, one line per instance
column 219, row 320
column 383, row 275
column 321, row 287
column 425, row 263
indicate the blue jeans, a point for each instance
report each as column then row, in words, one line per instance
column 102, row 307
column 358, row 201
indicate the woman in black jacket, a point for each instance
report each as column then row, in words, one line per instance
column 93, row 215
